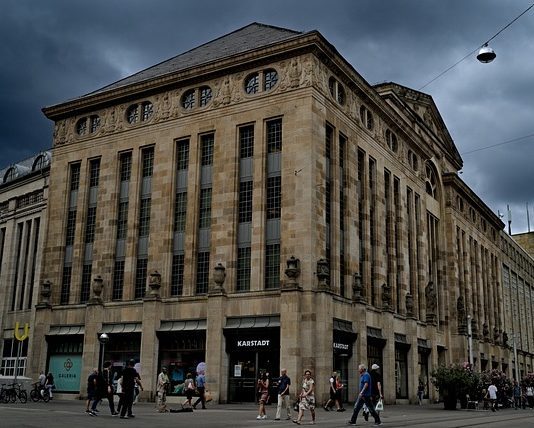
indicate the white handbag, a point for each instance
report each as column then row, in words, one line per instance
column 379, row 406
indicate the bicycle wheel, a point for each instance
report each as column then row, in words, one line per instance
column 4, row 397
column 46, row 395
column 23, row 396
column 34, row 395
column 12, row 395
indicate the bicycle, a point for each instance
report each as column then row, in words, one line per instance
column 13, row 392
column 39, row 392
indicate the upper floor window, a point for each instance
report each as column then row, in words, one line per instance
column 391, row 141
column 89, row 124
column 336, row 90
column 140, row 112
column 11, row 174
column 431, row 181
column 261, row 81
column 40, row 162
column 367, row 118
column 413, row 160
column 204, row 94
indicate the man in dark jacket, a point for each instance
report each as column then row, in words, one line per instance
column 130, row 378
column 107, row 387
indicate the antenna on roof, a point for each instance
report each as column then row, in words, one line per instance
column 509, row 219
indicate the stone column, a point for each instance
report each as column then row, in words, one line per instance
column 40, row 327
column 94, row 314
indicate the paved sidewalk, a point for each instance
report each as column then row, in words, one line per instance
column 70, row 413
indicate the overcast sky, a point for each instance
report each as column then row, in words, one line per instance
column 54, row 50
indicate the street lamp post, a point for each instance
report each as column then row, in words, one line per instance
column 103, row 339
column 470, row 341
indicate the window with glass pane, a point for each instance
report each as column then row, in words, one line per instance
column 65, row 285
column 203, row 266
column 90, row 225
column 95, row 123
column 180, row 212
column 118, row 279
column 86, row 283
column 188, row 99
column 122, row 220
column 205, row 95
column 71, row 227
column 245, row 201
column 75, row 176
column 243, row 269
column 140, row 278
column 81, row 126
column 126, row 166
column 252, row 83
column 274, row 136
column 183, row 155
column 144, row 217
column 132, row 114
column 148, row 109
column 148, row 162
column 270, row 79
column 206, row 156
column 177, row 279
column 272, row 266
column 205, row 209
column 274, row 197
column 246, row 142
column 94, row 173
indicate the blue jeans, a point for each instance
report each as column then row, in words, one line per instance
column 358, row 406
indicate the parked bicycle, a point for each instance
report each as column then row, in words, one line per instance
column 39, row 392
column 14, row 391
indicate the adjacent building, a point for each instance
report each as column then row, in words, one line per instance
column 254, row 204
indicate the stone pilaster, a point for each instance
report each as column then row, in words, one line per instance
column 152, row 311
column 94, row 314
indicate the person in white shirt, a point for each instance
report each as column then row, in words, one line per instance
column 492, row 393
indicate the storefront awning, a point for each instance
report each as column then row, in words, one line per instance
column 133, row 327
column 59, row 330
column 187, row 325
column 253, row 322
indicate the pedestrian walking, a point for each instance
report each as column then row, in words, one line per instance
column 263, row 393
column 92, row 393
column 283, row 395
column 492, row 394
column 130, row 378
column 189, row 389
column 201, row 388
column 420, row 393
column 364, row 397
column 162, row 386
column 49, row 383
column 307, row 398
column 107, row 388
column 376, row 389
column 517, row 395
column 530, row 396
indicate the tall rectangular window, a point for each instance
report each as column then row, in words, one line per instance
column 207, row 145
column 180, row 211
column 65, row 285
column 90, row 225
column 205, row 208
column 122, row 220
column 361, row 211
column 94, row 173
column 118, row 279
column 125, row 166
column 243, row 269
column 245, row 201
column 342, row 214
column 372, row 225
column 274, row 136
column 71, row 227
column 86, row 283
column 203, row 266
column 144, row 218
column 148, row 162
column 272, row 266
column 75, row 176
column 246, row 142
column 274, row 197
column 328, row 193
column 177, row 278
column 140, row 278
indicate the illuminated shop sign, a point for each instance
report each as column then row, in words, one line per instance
column 253, row 343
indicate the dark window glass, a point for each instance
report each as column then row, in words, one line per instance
column 246, row 142
column 126, row 166
column 205, row 208
column 270, row 79
column 252, row 83
column 274, row 136
column 118, row 279
column 272, row 266
column 245, row 201
column 90, row 225
column 95, row 123
column 148, row 162
column 203, row 266
column 94, row 173
column 148, row 110
column 132, row 114
column 144, row 217
column 243, row 269
column 188, row 99
column 81, row 126
column 75, row 176
column 274, row 197
column 86, row 283
column 140, row 278
column 180, row 212
column 205, row 95
column 65, row 285
column 183, row 155
column 71, row 227
column 122, row 220
column 206, row 156
column 177, row 280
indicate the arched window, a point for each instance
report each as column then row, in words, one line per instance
column 367, row 118
column 40, row 162
column 391, row 140
column 10, row 174
column 431, row 181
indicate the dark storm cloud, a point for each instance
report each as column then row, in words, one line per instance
column 56, row 50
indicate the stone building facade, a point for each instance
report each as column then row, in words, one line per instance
column 255, row 204
column 23, row 211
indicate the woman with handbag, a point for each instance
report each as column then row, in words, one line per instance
column 263, row 393
column 307, row 398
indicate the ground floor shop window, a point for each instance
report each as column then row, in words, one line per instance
column 14, row 357
column 181, row 353
column 374, row 356
column 121, row 348
column 422, row 356
column 65, row 362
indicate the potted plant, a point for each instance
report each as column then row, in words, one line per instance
column 454, row 382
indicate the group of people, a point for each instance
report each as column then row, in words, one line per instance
column 102, row 385
column 46, row 382
column 370, row 394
